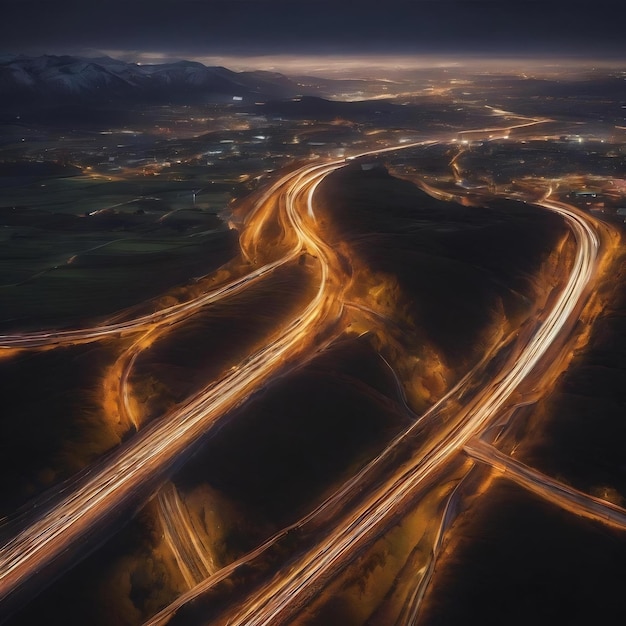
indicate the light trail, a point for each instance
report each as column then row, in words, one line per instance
column 181, row 537
column 113, row 482
column 191, row 555
column 554, row 491
column 508, row 129
column 336, row 502
column 342, row 494
column 274, row 600
column 166, row 316
column 410, row 611
column 172, row 314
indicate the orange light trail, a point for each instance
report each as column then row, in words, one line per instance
column 113, row 482
column 272, row 604
column 564, row 496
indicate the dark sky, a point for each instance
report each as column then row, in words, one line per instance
column 185, row 28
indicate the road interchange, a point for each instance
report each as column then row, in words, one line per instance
column 272, row 604
column 112, row 482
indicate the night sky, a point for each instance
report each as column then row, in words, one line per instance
column 196, row 28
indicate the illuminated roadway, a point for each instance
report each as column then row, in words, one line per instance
column 272, row 604
column 554, row 491
column 336, row 501
column 168, row 315
column 115, row 480
column 192, row 556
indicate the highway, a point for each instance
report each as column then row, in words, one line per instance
column 114, row 482
column 337, row 501
column 165, row 316
column 564, row 496
column 252, row 238
column 275, row 602
column 192, row 555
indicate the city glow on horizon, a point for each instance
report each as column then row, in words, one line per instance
column 355, row 66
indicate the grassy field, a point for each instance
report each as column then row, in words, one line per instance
column 78, row 247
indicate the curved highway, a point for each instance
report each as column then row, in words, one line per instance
column 274, row 602
column 113, row 482
column 165, row 316
column 116, row 480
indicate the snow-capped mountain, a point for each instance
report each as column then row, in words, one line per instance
column 63, row 79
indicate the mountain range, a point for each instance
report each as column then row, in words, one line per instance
column 67, row 79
